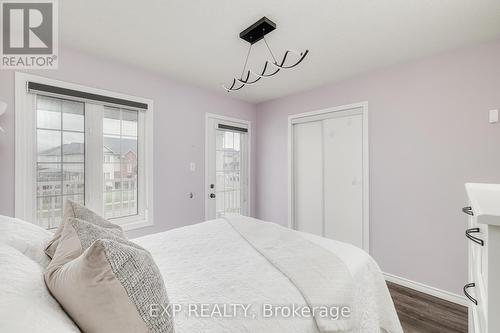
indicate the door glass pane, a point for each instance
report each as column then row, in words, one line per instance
column 60, row 157
column 120, row 168
column 228, row 172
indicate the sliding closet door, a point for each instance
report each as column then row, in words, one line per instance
column 329, row 190
column 308, row 182
column 343, row 178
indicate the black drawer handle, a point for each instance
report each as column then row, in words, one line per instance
column 468, row 210
column 467, row 286
column 470, row 231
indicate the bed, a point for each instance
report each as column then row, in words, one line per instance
column 210, row 263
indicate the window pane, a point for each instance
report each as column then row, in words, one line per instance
column 129, row 148
column 73, row 147
column 49, row 211
column 219, row 160
column 112, row 176
column 74, row 178
column 48, row 112
column 228, row 172
column 112, row 149
column 120, row 168
column 73, row 116
column 219, row 140
column 111, row 122
column 219, row 185
column 49, row 146
column 130, row 199
column 232, row 181
column 61, row 157
column 78, row 198
column 48, row 179
column 231, row 161
column 237, row 138
column 49, row 119
column 228, row 139
column 113, row 204
column 48, row 103
column 129, row 123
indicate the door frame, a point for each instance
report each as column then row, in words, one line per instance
column 248, row 123
column 366, row 167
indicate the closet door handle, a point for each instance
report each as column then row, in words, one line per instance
column 470, row 231
column 468, row 210
column 467, row 286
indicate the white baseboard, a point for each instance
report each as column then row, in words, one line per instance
column 443, row 294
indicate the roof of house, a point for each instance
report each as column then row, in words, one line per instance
column 111, row 146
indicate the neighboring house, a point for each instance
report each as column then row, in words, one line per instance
column 120, row 174
column 55, row 172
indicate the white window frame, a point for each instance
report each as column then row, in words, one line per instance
column 26, row 152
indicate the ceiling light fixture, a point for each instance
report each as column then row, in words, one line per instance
column 252, row 35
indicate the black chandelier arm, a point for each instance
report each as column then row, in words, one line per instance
column 232, row 86
column 247, row 82
column 263, row 74
column 281, row 66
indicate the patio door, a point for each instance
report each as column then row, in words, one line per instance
column 227, row 162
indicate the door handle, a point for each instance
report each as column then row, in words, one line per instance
column 470, row 231
column 467, row 286
column 212, row 195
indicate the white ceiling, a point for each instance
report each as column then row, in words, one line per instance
column 196, row 41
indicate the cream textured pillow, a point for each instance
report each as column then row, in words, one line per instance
column 75, row 210
column 105, row 283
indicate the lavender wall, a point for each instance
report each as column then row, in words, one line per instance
column 429, row 133
column 179, row 133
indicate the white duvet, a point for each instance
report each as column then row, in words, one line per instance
column 207, row 263
column 211, row 265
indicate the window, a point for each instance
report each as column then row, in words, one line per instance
column 228, row 169
column 120, row 144
column 93, row 152
column 60, row 137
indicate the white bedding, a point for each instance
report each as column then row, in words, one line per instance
column 207, row 263
column 25, row 303
column 210, row 263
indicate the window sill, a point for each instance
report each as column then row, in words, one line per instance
column 135, row 224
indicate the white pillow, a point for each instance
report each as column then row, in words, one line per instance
column 25, row 302
column 26, row 237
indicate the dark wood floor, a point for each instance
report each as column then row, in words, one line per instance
column 422, row 313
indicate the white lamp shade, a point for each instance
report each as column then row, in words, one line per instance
column 3, row 108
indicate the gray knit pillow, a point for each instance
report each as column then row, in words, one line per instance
column 106, row 283
column 75, row 210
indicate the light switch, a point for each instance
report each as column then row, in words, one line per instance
column 493, row 116
column 192, row 167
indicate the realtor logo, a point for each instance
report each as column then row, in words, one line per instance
column 29, row 34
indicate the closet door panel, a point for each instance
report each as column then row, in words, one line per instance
column 308, row 180
column 343, row 178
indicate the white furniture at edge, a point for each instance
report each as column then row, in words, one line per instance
column 483, row 233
